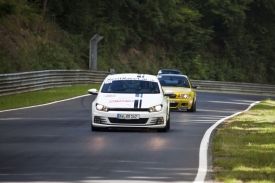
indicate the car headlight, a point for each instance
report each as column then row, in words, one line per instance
column 183, row 96
column 156, row 108
column 101, row 107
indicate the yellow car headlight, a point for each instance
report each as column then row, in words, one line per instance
column 183, row 96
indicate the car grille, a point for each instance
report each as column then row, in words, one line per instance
column 173, row 96
column 129, row 121
column 173, row 104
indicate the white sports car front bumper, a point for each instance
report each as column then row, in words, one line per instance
column 112, row 119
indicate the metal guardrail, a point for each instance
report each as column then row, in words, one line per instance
column 235, row 87
column 39, row 80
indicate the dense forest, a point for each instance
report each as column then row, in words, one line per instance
column 223, row 40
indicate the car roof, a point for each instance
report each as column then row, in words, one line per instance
column 132, row 76
column 176, row 75
column 169, row 70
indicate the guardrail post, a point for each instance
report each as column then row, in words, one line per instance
column 93, row 51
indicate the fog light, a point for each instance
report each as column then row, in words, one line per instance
column 97, row 119
column 160, row 121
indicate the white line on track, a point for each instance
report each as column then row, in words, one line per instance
column 204, row 147
column 233, row 102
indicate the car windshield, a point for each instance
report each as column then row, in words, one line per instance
column 174, row 81
column 131, row 86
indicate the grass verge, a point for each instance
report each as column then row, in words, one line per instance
column 43, row 96
column 244, row 147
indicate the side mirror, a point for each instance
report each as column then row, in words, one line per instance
column 194, row 86
column 93, row 91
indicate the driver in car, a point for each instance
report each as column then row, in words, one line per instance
column 144, row 86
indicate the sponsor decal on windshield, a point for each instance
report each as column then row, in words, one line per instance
column 138, row 77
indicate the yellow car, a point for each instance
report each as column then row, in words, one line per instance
column 184, row 92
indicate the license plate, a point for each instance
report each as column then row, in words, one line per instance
column 127, row 116
column 172, row 101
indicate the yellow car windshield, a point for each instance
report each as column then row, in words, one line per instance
column 174, row 81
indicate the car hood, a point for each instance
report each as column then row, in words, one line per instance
column 114, row 100
column 177, row 89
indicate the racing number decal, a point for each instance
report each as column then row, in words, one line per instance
column 140, row 75
column 138, row 100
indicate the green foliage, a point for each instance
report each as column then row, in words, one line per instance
column 198, row 69
column 7, row 8
column 120, row 67
column 5, row 62
column 216, row 39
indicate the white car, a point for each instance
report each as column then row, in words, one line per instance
column 131, row 101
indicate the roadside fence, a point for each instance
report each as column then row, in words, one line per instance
column 40, row 80
column 235, row 87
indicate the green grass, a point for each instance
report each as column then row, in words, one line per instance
column 43, row 96
column 244, row 147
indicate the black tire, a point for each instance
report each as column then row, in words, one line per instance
column 167, row 126
column 193, row 108
column 168, row 121
column 94, row 128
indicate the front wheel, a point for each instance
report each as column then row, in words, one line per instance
column 94, row 128
column 194, row 107
column 167, row 126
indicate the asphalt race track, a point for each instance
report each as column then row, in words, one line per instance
column 54, row 143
